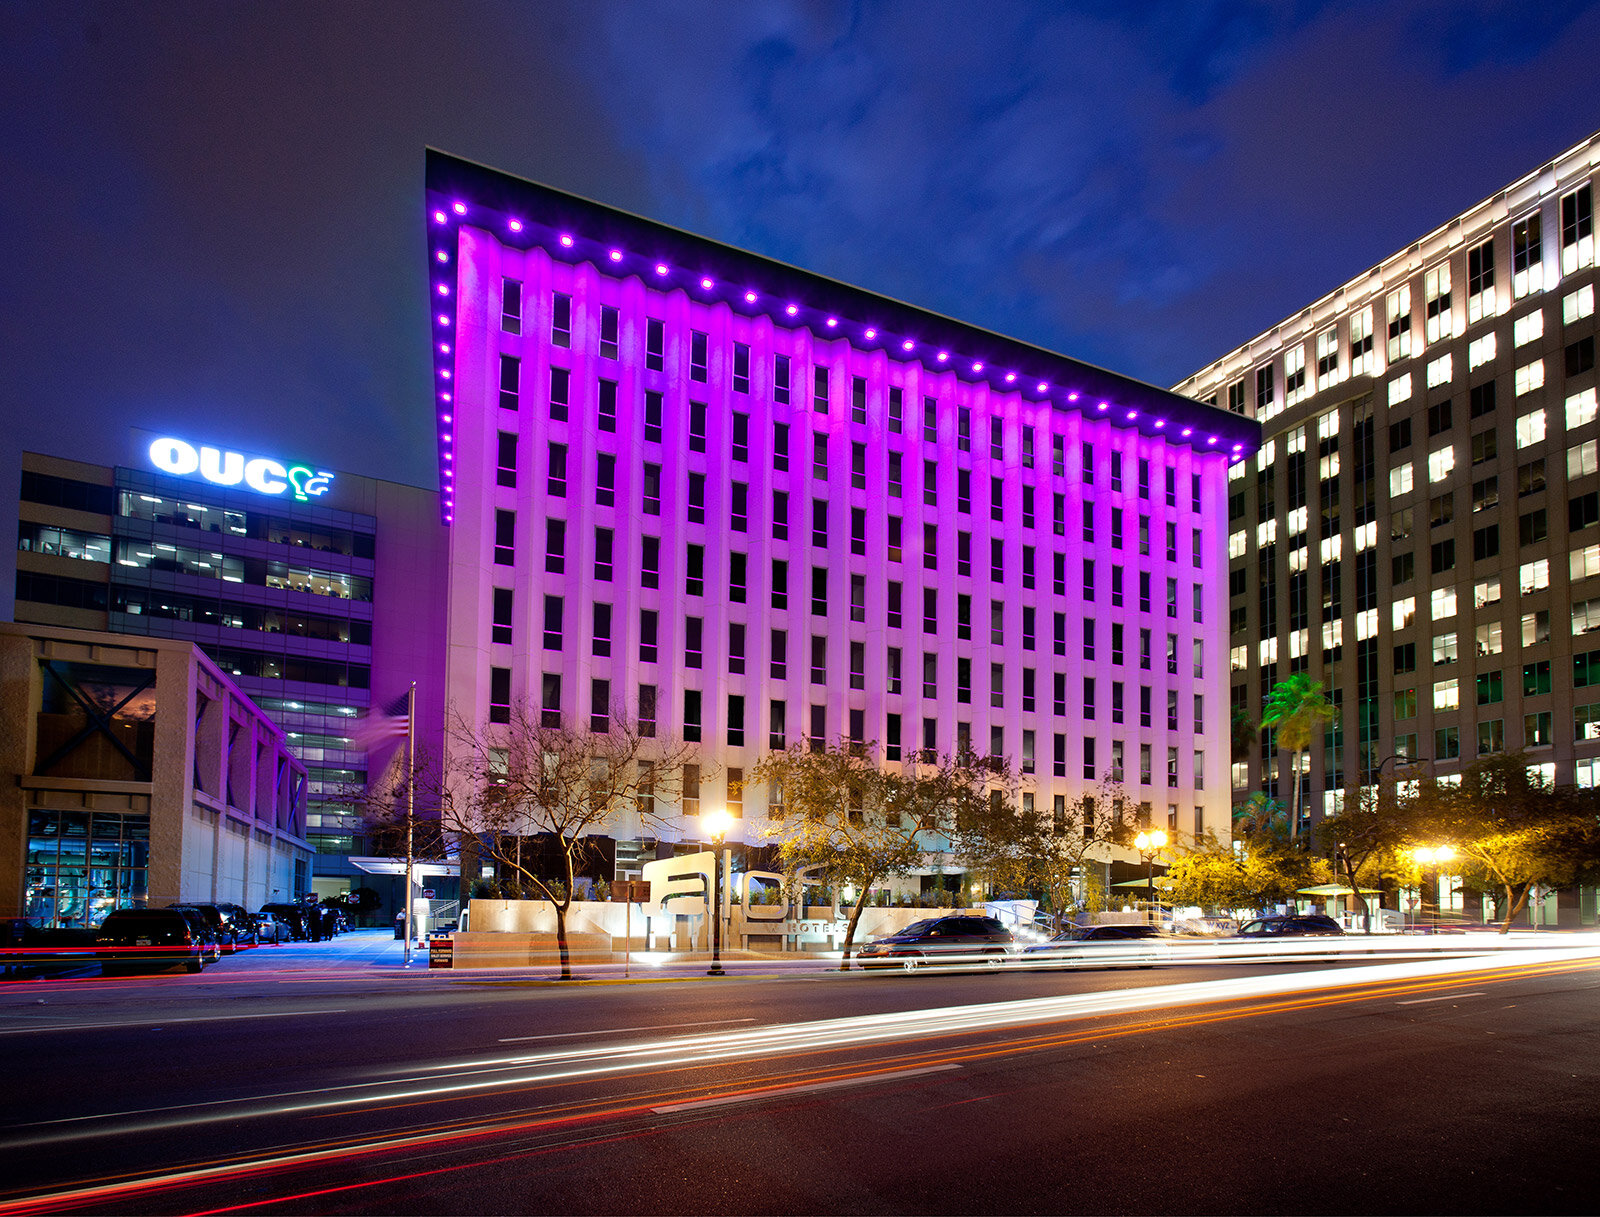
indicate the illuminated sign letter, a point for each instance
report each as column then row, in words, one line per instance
column 174, row 456
column 256, row 476
column 223, row 468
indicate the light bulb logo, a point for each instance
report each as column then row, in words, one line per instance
column 308, row 482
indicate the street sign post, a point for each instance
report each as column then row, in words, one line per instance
column 629, row 891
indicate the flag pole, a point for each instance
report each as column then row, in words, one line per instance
column 411, row 798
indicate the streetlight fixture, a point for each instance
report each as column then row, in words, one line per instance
column 1435, row 856
column 715, row 824
column 1149, row 844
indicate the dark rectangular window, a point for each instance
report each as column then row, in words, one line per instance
column 561, row 320
column 696, row 508
column 608, row 405
column 780, row 447
column 506, row 470
column 780, row 380
column 652, row 417
column 896, row 410
column 650, row 561
column 599, row 706
column 610, row 321
column 858, row 399
column 510, row 306
column 697, row 426
column 819, row 523
column 647, row 711
column 649, row 625
column 499, row 695
column 737, row 577
column 505, row 533
column 735, row 734
column 605, row 479
column 780, row 584
column 510, row 381
column 550, row 700
column 555, row 546
column 691, row 716
column 693, row 641
column 602, row 554
column 694, row 578
column 552, row 623
column 655, row 344
column 741, row 367
column 819, row 390
column 697, row 356
column 557, row 481
column 601, row 643
column 741, row 436
column 501, row 626
column 651, row 489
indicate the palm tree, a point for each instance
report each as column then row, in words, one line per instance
column 1295, row 709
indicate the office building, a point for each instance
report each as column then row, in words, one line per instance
column 135, row 771
column 1438, row 413
column 749, row 505
column 318, row 593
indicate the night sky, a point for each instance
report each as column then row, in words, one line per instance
column 214, row 209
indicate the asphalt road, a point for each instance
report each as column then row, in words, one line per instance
column 273, row 1085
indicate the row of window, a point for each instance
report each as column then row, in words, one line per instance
column 1360, row 356
column 783, row 392
column 602, row 707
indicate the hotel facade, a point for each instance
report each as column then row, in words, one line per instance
column 1420, row 529
column 748, row 505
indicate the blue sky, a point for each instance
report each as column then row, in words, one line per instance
column 214, row 207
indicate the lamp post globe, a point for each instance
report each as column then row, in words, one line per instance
column 715, row 824
column 1149, row 844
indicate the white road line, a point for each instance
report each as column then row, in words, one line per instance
column 567, row 1035
column 1418, row 1001
column 162, row 1022
column 784, row 1092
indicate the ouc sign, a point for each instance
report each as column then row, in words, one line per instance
column 221, row 468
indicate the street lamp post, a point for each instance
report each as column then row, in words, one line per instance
column 1435, row 856
column 1149, row 844
column 716, row 825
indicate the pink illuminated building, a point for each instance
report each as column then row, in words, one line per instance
column 755, row 505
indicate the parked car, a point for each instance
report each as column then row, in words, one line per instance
column 241, row 924
column 1294, row 926
column 270, row 929
column 132, row 940
column 1103, row 946
column 946, row 940
column 292, row 915
column 217, row 933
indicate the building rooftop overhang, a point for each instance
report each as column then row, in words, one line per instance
column 525, row 214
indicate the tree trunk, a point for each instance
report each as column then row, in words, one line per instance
column 561, row 938
column 1294, row 802
column 562, row 906
column 1514, row 904
column 855, row 920
column 1355, row 890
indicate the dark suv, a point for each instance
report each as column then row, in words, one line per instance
column 1296, row 926
column 940, row 940
column 132, row 940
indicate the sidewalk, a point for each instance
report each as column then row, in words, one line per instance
column 378, row 950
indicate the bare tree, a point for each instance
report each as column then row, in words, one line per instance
column 502, row 782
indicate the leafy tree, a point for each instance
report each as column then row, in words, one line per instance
column 1295, row 710
column 1254, row 873
column 500, row 783
column 1509, row 828
column 1055, row 858
column 835, row 808
column 1364, row 840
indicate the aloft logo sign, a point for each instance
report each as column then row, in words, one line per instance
column 222, row 468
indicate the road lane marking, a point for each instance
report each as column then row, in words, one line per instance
column 783, row 1092
column 1417, row 1001
column 162, row 1022
column 567, row 1035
